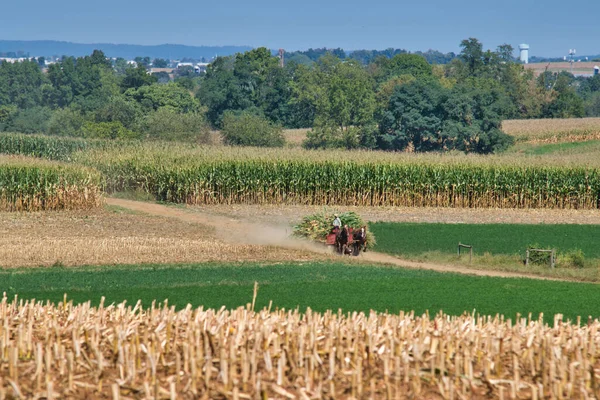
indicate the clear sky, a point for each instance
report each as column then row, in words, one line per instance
column 549, row 27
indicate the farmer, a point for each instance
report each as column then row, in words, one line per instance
column 337, row 223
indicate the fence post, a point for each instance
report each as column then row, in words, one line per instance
column 460, row 245
column 527, row 258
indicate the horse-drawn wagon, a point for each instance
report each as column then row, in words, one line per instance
column 348, row 241
column 349, row 236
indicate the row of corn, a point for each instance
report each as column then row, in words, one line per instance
column 202, row 179
column 223, row 175
column 128, row 351
column 33, row 185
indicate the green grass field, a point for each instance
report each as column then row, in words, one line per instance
column 498, row 239
column 321, row 286
column 566, row 148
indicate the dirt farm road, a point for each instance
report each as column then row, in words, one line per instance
column 240, row 231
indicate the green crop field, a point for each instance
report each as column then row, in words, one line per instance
column 321, row 286
column 507, row 239
column 563, row 149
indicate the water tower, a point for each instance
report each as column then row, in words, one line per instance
column 524, row 53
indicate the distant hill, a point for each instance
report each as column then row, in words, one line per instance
column 48, row 48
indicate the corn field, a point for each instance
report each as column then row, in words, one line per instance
column 127, row 351
column 49, row 147
column 33, row 185
column 229, row 176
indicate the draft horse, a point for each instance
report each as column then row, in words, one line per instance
column 359, row 240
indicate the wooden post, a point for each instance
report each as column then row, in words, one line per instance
column 460, row 245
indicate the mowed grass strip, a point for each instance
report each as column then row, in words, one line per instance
column 320, row 286
column 505, row 239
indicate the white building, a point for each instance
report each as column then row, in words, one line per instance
column 524, row 48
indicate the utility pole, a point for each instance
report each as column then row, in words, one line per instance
column 281, row 51
column 572, row 55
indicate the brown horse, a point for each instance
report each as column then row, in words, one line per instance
column 342, row 239
column 359, row 240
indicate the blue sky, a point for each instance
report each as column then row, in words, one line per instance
column 350, row 24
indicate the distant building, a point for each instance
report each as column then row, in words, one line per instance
column 596, row 70
column 524, row 48
column 13, row 60
column 200, row 68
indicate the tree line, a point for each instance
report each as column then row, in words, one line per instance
column 392, row 101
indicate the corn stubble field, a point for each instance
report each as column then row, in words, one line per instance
column 125, row 351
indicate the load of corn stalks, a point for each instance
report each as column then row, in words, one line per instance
column 317, row 226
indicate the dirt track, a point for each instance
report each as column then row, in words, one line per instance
column 235, row 231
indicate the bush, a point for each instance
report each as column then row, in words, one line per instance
column 107, row 130
column 250, row 130
column 166, row 124
column 66, row 122
column 329, row 137
column 571, row 259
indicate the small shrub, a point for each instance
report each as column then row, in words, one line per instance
column 107, row 130
column 571, row 259
column 250, row 130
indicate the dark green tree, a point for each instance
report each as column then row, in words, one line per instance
column 137, row 77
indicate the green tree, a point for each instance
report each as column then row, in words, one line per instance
column 160, row 63
column 166, row 124
column 171, row 95
column 30, row 120
column 402, row 64
column 472, row 55
column 220, row 91
column 118, row 108
column 425, row 116
column 21, row 84
column 247, row 129
column 66, row 122
column 121, row 65
column 143, row 61
column 137, row 77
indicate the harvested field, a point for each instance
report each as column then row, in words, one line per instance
column 156, row 352
column 109, row 237
column 580, row 67
column 553, row 130
column 291, row 214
